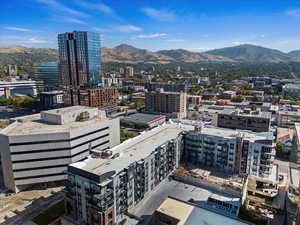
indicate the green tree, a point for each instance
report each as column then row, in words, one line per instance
column 253, row 107
column 125, row 123
column 141, row 126
column 282, row 151
column 238, row 98
column 124, row 103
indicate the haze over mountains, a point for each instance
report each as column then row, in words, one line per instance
column 128, row 54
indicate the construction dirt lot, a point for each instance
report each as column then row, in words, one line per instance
column 12, row 202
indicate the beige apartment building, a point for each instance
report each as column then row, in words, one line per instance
column 171, row 103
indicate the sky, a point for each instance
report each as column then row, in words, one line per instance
column 195, row 25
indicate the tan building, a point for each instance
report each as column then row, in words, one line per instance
column 129, row 71
column 288, row 118
column 177, row 212
column 256, row 121
column 171, row 103
column 97, row 97
column 295, row 153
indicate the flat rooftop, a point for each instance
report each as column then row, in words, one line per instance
column 231, row 133
column 142, row 117
column 34, row 124
column 289, row 113
column 133, row 149
column 183, row 192
column 259, row 114
column 189, row 214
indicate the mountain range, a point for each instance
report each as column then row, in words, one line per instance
column 124, row 53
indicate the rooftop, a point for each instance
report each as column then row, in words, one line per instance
column 35, row 124
column 232, row 133
column 247, row 113
column 132, row 150
column 297, row 128
column 142, row 117
column 189, row 214
column 289, row 113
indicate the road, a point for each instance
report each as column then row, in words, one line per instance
column 39, row 208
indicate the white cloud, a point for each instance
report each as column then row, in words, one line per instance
column 61, row 7
column 161, row 15
column 71, row 20
column 174, row 40
column 128, row 28
column 102, row 7
column 105, row 8
column 293, row 12
column 20, row 40
column 17, row 29
column 35, row 40
column 149, row 36
column 100, row 29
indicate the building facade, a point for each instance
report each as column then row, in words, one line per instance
column 96, row 97
column 101, row 189
column 79, row 63
column 236, row 152
column 51, row 100
column 170, row 103
column 18, row 87
column 295, row 153
column 129, row 71
column 80, row 59
column 288, row 118
column 38, row 148
column 152, row 86
column 109, row 184
column 256, row 121
column 48, row 74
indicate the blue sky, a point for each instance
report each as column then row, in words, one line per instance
column 196, row 25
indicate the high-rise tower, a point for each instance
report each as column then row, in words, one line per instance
column 79, row 64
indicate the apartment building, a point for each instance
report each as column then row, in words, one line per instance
column 172, row 104
column 232, row 151
column 246, row 119
column 291, row 90
column 103, row 187
column 37, row 149
column 295, row 153
column 152, row 86
column 288, row 118
column 96, row 97
column 51, row 99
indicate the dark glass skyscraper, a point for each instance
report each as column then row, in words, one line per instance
column 48, row 74
column 79, row 59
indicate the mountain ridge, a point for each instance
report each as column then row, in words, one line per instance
column 128, row 54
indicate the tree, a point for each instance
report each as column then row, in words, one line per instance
column 282, row 151
column 253, row 107
column 238, row 98
column 125, row 123
column 139, row 104
column 196, row 108
column 124, row 103
column 141, row 126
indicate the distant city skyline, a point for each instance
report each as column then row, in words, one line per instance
column 193, row 25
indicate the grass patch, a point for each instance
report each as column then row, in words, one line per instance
column 50, row 214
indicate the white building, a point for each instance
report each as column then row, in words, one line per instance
column 18, row 87
column 233, row 151
column 38, row 148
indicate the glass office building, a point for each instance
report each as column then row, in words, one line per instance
column 80, row 59
column 47, row 76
